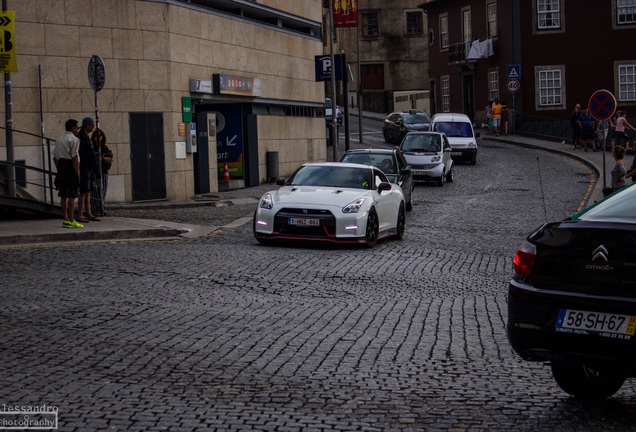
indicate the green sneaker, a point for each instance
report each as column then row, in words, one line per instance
column 76, row 224
column 67, row 224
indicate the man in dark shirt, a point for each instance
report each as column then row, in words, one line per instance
column 89, row 169
column 586, row 121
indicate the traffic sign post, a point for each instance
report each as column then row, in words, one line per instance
column 97, row 78
column 602, row 106
column 513, row 85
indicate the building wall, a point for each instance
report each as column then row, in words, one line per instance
column 404, row 58
column 151, row 50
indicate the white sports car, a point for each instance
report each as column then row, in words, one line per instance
column 332, row 202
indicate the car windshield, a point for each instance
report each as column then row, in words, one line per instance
column 416, row 118
column 618, row 207
column 382, row 161
column 454, row 129
column 331, row 176
column 422, row 143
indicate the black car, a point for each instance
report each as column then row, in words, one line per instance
column 391, row 162
column 572, row 301
column 399, row 123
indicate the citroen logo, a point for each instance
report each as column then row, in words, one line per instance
column 304, row 211
column 600, row 253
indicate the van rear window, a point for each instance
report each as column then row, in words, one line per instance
column 454, row 129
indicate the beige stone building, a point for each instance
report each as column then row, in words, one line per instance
column 245, row 67
column 392, row 38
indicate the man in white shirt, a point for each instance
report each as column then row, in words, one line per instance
column 66, row 159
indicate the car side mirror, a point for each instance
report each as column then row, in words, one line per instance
column 405, row 171
column 383, row 187
column 280, row 181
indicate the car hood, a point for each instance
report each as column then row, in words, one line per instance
column 316, row 196
column 461, row 141
column 422, row 158
column 417, row 126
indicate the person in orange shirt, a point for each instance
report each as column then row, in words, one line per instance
column 497, row 108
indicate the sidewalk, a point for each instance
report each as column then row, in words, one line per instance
column 40, row 231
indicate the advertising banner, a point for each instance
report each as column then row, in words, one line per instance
column 345, row 13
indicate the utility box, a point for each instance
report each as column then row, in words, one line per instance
column 272, row 165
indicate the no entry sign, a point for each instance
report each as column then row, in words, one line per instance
column 602, row 105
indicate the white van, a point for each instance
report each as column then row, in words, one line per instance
column 461, row 135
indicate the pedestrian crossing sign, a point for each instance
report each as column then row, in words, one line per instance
column 514, row 71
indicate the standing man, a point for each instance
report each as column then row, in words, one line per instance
column 497, row 108
column 66, row 159
column 89, row 170
column 586, row 122
column 576, row 126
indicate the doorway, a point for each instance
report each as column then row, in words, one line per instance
column 147, row 156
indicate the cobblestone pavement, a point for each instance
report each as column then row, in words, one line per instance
column 222, row 333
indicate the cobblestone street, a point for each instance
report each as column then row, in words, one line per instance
column 222, row 333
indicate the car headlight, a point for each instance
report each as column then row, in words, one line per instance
column 436, row 158
column 354, row 207
column 472, row 144
column 267, row 201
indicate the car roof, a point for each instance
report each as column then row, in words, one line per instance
column 426, row 133
column 338, row 164
column 451, row 117
column 372, row 150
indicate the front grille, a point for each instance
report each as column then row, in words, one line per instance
column 326, row 229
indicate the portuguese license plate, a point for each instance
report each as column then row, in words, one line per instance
column 420, row 172
column 304, row 222
column 456, row 153
column 585, row 322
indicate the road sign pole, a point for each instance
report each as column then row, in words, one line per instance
column 8, row 103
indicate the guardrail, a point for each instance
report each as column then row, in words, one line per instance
column 35, row 181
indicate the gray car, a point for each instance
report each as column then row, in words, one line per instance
column 391, row 162
column 429, row 155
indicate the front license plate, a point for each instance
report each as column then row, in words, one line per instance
column 420, row 172
column 456, row 153
column 304, row 222
column 584, row 322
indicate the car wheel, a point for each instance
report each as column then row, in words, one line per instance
column 585, row 382
column 473, row 161
column 401, row 223
column 409, row 204
column 450, row 175
column 373, row 228
column 440, row 181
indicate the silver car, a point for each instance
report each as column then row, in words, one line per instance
column 429, row 155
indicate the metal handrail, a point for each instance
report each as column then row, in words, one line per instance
column 47, row 178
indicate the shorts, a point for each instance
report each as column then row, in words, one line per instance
column 587, row 134
column 87, row 181
column 68, row 192
column 496, row 121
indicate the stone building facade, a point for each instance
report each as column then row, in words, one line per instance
column 247, row 65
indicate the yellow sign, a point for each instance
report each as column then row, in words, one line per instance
column 8, row 57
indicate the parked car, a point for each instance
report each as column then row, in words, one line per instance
column 332, row 202
column 429, row 155
column 399, row 123
column 329, row 109
column 572, row 301
column 461, row 135
column 391, row 162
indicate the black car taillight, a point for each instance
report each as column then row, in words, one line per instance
column 524, row 260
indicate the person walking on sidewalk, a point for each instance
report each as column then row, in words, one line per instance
column 497, row 108
column 89, row 170
column 586, row 122
column 619, row 172
column 621, row 125
column 67, row 179
column 576, row 126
